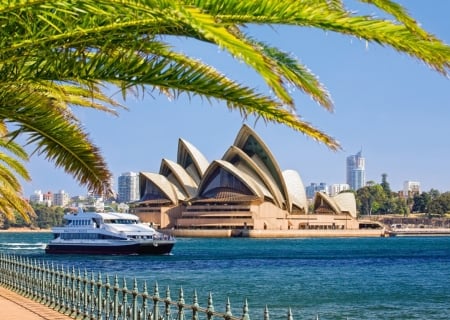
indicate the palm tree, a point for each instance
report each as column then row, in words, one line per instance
column 56, row 55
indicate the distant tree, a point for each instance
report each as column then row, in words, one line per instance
column 385, row 185
column 379, row 199
column 370, row 199
column 400, row 206
column 47, row 217
column 440, row 205
column 434, row 194
column 421, row 202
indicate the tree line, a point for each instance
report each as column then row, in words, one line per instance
column 378, row 199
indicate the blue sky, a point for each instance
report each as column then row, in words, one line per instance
column 391, row 106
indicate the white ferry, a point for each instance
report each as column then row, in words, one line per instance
column 107, row 233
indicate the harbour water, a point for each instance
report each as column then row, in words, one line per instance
column 342, row 278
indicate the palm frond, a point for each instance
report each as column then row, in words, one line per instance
column 61, row 140
column 12, row 202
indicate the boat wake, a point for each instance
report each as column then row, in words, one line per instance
column 22, row 246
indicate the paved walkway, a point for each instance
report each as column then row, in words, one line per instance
column 15, row 307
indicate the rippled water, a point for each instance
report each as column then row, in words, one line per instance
column 343, row 278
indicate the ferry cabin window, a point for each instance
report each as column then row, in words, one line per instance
column 121, row 221
column 87, row 236
column 80, row 223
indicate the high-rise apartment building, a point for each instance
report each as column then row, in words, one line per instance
column 315, row 187
column 337, row 188
column 356, row 171
column 411, row 188
column 61, row 198
column 37, row 197
column 128, row 184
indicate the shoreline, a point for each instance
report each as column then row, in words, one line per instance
column 275, row 234
column 24, row 230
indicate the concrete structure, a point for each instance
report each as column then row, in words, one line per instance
column 337, row 188
column 313, row 188
column 356, row 171
column 244, row 191
column 128, row 184
column 37, row 197
column 411, row 188
column 61, row 198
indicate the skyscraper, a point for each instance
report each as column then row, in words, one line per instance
column 128, row 187
column 356, row 171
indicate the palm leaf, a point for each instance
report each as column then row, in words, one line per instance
column 61, row 140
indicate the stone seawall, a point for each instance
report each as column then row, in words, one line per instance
column 220, row 233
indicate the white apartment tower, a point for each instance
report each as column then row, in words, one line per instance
column 411, row 188
column 61, row 198
column 128, row 187
column 337, row 188
column 37, row 197
column 356, row 171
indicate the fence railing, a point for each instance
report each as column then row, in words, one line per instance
column 83, row 295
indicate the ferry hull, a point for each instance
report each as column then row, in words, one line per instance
column 126, row 249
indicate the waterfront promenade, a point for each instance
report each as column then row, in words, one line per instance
column 16, row 307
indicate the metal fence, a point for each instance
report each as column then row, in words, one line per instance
column 83, row 295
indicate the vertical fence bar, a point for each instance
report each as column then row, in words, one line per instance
column 290, row 315
column 79, row 296
column 99, row 301
column 92, row 296
column 195, row 306
column 107, row 301
column 167, row 302
column 210, row 308
column 155, row 315
column 116, row 298
column 134, row 303
column 228, row 314
column 180, row 305
column 245, row 315
column 85, row 294
column 123, row 310
column 266, row 313
column 144, row 313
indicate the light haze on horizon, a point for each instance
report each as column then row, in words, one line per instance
column 389, row 105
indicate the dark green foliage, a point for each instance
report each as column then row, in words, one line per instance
column 48, row 217
column 379, row 199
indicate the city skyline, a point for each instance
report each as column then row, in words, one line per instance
column 389, row 104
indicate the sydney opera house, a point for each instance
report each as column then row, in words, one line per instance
column 245, row 191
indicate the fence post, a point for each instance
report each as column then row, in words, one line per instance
column 228, row 313
column 210, row 308
column 155, row 315
column 144, row 313
column 92, row 297
column 134, row 304
column 79, row 293
column 290, row 314
column 181, row 305
column 99, row 301
column 73, row 294
column 195, row 306
column 116, row 298
column 245, row 315
column 123, row 309
column 85, row 295
column 107, row 301
column 266, row 313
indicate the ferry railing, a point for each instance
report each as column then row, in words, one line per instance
column 84, row 295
